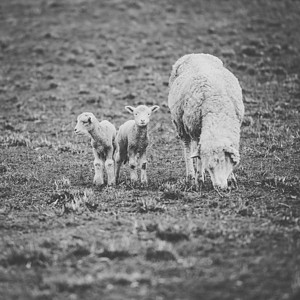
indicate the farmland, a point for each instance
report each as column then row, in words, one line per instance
column 63, row 238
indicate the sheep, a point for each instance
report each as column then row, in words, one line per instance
column 103, row 136
column 205, row 100
column 132, row 141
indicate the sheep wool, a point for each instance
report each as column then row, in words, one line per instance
column 205, row 100
column 103, row 135
column 132, row 141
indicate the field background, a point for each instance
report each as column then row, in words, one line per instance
column 62, row 238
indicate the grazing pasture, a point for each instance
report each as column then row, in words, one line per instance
column 63, row 238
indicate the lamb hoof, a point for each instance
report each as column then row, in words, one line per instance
column 144, row 183
column 190, row 178
column 189, row 183
column 109, row 188
column 111, row 183
column 133, row 183
column 219, row 192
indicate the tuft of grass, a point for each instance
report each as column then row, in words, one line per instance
column 117, row 249
column 133, row 279
column 72, row 200
column 69, row 147
column 290, row 185
column 171, row 234
column 63, row 183
column 26, row 256
column 70, row 283
column 147, row 204
column 113, row 253
column 171, row 191
column 161, row 251
column 44, row 142
column 15, row 140
column 296, row 284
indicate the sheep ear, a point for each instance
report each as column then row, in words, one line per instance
column 154, row 108
column 176, row 67
column 195, row 154
column 180, row 62
column 233, row 154
column 129, row 109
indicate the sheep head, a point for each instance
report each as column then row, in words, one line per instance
column 219, row 162
column 178, row 67
column 189, row 61
column 142, row 113
column 85, row 123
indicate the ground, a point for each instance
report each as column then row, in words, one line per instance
column 63, row 238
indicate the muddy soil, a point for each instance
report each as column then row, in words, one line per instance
column 63, row 238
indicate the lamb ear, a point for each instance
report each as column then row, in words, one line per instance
column 129, row 109
column 154, row 108
column 233, row 154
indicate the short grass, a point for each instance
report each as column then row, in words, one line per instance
column 63, row 238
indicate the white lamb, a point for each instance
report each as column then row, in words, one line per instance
column 103, row 135
column 132, row 141
column 205, row 100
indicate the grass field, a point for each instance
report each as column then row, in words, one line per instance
column 63, row 238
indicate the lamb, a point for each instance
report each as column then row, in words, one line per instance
column 205, row 100
column 132, row 141
column 103, row 135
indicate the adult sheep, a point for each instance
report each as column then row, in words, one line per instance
column 205, row 100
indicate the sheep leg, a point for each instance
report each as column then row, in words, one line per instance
column 199, row 179
column 194, row 149
column 118, row 166
column 232, row 181
column 133, row 166
column 98, row 165
column 143, row 166
column 109, row 167
column 190, row 171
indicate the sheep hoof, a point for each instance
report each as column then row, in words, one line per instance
column 199, row 185
column 189, row 180
column 232, row 182
column 223, row 192
column 98, row 182
column 219, row 192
